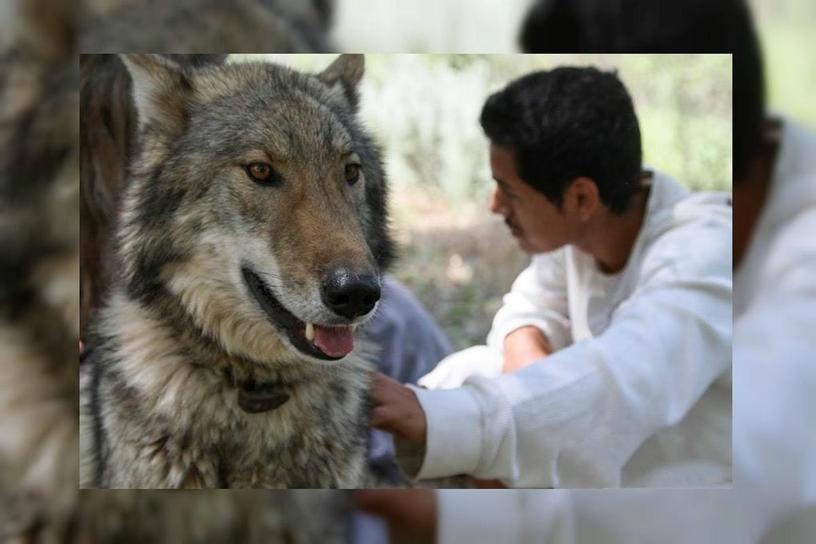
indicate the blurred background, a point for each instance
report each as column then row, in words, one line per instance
column 424, row 110
column 788, row 42
column 485, row 26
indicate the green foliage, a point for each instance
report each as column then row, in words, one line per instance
column 425, row 110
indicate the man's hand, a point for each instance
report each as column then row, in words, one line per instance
column 523, row 346
column 410, row 513
column 397, row 410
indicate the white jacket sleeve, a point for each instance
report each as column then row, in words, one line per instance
column 574, row 419
column 774, row 495
column 539, row 298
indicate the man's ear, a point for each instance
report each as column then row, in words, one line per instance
column 343, row 77
column 161, row 90
column 583, row 197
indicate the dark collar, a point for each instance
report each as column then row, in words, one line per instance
column 255, row 398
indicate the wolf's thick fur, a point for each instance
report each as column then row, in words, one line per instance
column 182, row 332
column 107, row 136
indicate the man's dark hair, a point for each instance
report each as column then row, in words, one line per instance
column 662, row 26
column 566, row 123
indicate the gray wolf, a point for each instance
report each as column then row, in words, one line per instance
column 202, row 26
column 251, row 241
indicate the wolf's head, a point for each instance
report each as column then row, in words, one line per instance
column 257, row 202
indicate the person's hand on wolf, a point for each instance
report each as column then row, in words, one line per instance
column 397, row 410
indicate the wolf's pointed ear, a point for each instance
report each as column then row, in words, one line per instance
column 343, row 77
column 161, row 89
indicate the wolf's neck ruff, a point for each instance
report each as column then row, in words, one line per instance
column 256, row 398
column 219, row 418
column 258, row 387
column 194, row 345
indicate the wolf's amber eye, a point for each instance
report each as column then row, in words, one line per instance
column 352, row 173
column 261, row 172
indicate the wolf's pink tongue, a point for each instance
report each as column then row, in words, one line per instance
column 334, row 341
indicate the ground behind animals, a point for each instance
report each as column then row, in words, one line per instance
column 459, row 260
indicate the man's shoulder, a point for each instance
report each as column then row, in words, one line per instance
column 673, row 205
column 692, row 235
column 704, row 208
column 675, row 209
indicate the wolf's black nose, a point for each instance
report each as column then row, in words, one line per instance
column 348, row 294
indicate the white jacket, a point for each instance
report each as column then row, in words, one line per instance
column 774, row 495
column 633, row 400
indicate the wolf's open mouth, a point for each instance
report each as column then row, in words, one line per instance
column 322, row 342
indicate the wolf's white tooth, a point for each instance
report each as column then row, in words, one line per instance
column 354, row 327
column 309, row 332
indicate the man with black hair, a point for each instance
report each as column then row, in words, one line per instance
column 665, row 26
column 772, row 499
column 616, row 341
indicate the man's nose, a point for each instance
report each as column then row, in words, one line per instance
column 497, row 204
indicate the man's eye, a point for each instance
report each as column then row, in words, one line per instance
column 352, row 173
column 261, row 172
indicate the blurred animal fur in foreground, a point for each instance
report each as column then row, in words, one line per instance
column 251, row 242
column 39, row 272
column 201, row 26
column 214, row 516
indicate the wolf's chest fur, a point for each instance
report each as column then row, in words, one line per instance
column 157, row 418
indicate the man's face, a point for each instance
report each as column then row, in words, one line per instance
column 535, row 222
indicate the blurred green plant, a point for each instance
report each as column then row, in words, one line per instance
column 788, row 43
column 425, row 109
